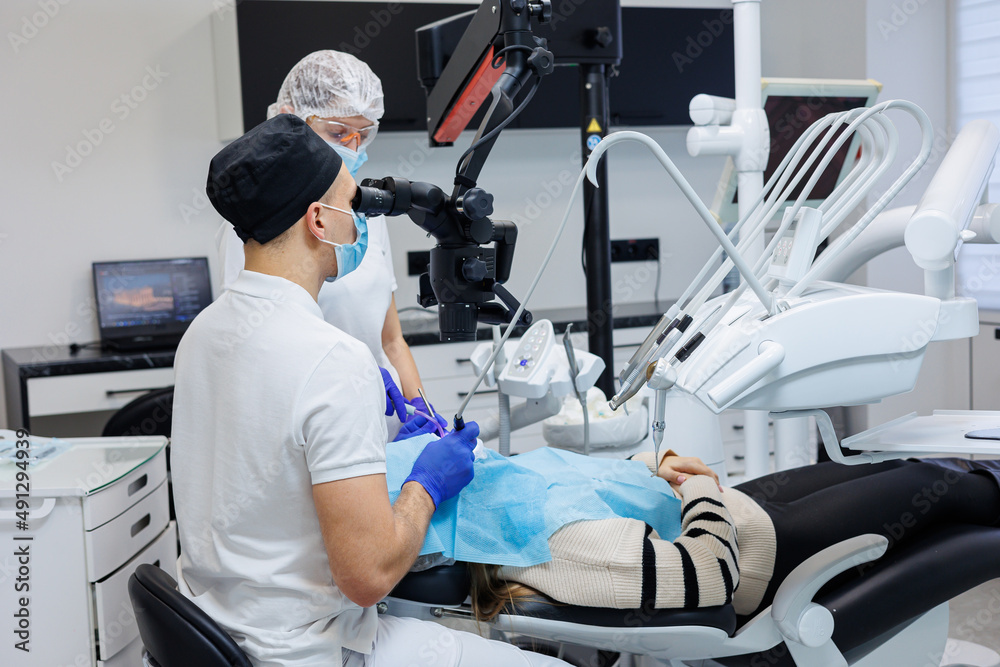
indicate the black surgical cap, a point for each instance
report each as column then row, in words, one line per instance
column 263, row 182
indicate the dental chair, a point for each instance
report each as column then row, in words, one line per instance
column 847, row 605
column 792, row 339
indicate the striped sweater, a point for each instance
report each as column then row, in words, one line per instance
column 725, row 553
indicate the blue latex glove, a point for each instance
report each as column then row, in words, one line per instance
column 419, row 424
column 445, row 466
column 394, row 401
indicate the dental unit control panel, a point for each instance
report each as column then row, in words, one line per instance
column 537, row 366
column 534, row 347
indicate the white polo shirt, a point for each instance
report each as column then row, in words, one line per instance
column 356, row 303
column 269, row 400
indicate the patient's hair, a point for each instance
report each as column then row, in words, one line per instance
column 490, row 593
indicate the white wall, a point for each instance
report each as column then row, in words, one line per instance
column 63, row 82
column 811, row 38
column 138, row 193
column 907, row 46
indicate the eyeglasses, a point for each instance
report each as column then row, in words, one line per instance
column 343, row 133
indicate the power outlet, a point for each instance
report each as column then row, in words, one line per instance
column 635, row 250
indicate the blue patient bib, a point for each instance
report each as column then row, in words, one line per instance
column 506, row 515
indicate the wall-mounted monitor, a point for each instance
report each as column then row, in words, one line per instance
column 669, row 55
column 792, row 105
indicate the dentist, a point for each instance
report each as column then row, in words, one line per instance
column 288, row 538
column 340, row 98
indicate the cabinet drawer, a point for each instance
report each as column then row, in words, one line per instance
column 90, row 392
column 447, row 395
column 444, row 360
column 118, row 540
column 116, row 626
column 108, row 503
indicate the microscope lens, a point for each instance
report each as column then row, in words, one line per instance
column 373, row 201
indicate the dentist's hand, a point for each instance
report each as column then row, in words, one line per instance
column 445, row 466
column 419, row 406
column 394, row 401
column 419, row 424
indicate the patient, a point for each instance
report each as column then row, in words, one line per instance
column 738, row 544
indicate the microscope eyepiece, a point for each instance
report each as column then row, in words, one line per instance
column 373, row 201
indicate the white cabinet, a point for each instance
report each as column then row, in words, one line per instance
column 92, row 392
column 986, row 367
column 97, row 510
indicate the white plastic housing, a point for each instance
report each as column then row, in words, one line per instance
column 986, row 224
column 952, row 196
column 550, row 370
column 711, row 110
column 834, row 345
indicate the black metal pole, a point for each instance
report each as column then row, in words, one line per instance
column 596, row 117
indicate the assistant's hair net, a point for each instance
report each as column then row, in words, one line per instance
column 331, row 84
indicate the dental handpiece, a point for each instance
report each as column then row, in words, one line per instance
column 575, row 372
column 647, row 345
column 430, row 408
column 659, row 425
column 631, row 385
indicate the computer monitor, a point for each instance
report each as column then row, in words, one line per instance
column 149, row 303
column 791, row 106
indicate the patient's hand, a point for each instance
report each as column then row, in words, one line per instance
column 676, row 469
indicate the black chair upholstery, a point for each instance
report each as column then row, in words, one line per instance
column 174, row 631
column 910, row 580
column 723, row 617
column 149, row 414
column 449, row 585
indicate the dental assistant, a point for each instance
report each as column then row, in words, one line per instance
column 340, row 98
column 288, row 538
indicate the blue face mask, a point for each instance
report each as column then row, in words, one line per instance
column 352, row 159
column 349, row 255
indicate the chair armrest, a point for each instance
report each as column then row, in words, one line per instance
column 793, row 610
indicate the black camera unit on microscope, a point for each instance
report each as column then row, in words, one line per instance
column 497, row 55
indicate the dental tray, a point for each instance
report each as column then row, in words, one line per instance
column 942, row 432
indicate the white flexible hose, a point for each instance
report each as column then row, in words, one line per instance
column 531, row 290
column 888, row 144
column 699, row 206
column 751, row 221
column 884, row 143
column 842, row 242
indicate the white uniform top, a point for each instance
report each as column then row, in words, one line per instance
column 269, row 400
column 356, row 303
